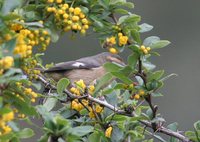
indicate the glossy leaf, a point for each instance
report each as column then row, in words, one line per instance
column 62, row 85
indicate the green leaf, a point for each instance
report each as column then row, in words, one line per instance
column 54, row 33
column 120, row 118
column 120, row 11
column 44, row 138
column 136, row 36
column 160, row 44
column 117, row 134
column 156, row 75
column 148, row 65
column 81, row 130
column 50, row 103
column 156, row 94
column 9, row 46
column 173, row 126
column 168, row 76
column 197, row 125
column 5, row 110
column 127, row 70
column 10, row 16
column 12, row 71
column 45, row 114
column 129, row 19
column 111, row 67
column 37, row 86
column 132, row 60
column 94, row 137
column 122, row 77
column 103, row 81
column 62, row 85
column 9, row 5
column 24, row 107
column 145, row 27
column 25, row 133
column 150, row 40
column 191, row 135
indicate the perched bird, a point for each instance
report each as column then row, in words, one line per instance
column 88, row 69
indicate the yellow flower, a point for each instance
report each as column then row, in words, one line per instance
column 85, row 27
column 148, row 48
column 81, row 84
column 58, row 1
column 108, row 132
column 76, row 105
column 91, row 114
column 144, row 49
column 83, row 31
column 6, row 62
column 120, row 34
column 66, row 6
column 81, row 15
column 65, row 16
column 99, row 109
column 123, row 40
column 113, row 50
column 77, row 11
column 137, row 96
column 111, row 40
column 8, row 116
column 7, row 129
column 91, row 89
column 60, row 11
column 75, row 18
column 71, row 9
column 50, row 1
column 141, row 92
column 84, row 21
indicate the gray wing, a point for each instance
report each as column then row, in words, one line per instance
column 65, row 66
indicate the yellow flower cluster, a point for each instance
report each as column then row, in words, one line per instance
column 79, row 105
column 6, row 37
column 28, row 91
column 4, row 128
column 6, row 62
column 108, row 132
column 26, row 39
column 96, row 109
column 76, row 105
column 31, row 93
column 122, row 39
column 139, row 94
column 144, row 49
column 111, row 42
column 81, row 88
column 68, row 17
column 29, row 68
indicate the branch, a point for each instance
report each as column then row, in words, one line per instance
column 119, row 111
column 168, row 132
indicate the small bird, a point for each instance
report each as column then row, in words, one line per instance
column 89, row 69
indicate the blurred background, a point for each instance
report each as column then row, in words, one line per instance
column 174, row 20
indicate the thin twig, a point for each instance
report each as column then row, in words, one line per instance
column 161, row 129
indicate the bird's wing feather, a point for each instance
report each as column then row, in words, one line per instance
column 65, row 66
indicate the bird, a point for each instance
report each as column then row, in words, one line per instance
column 89, row 69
